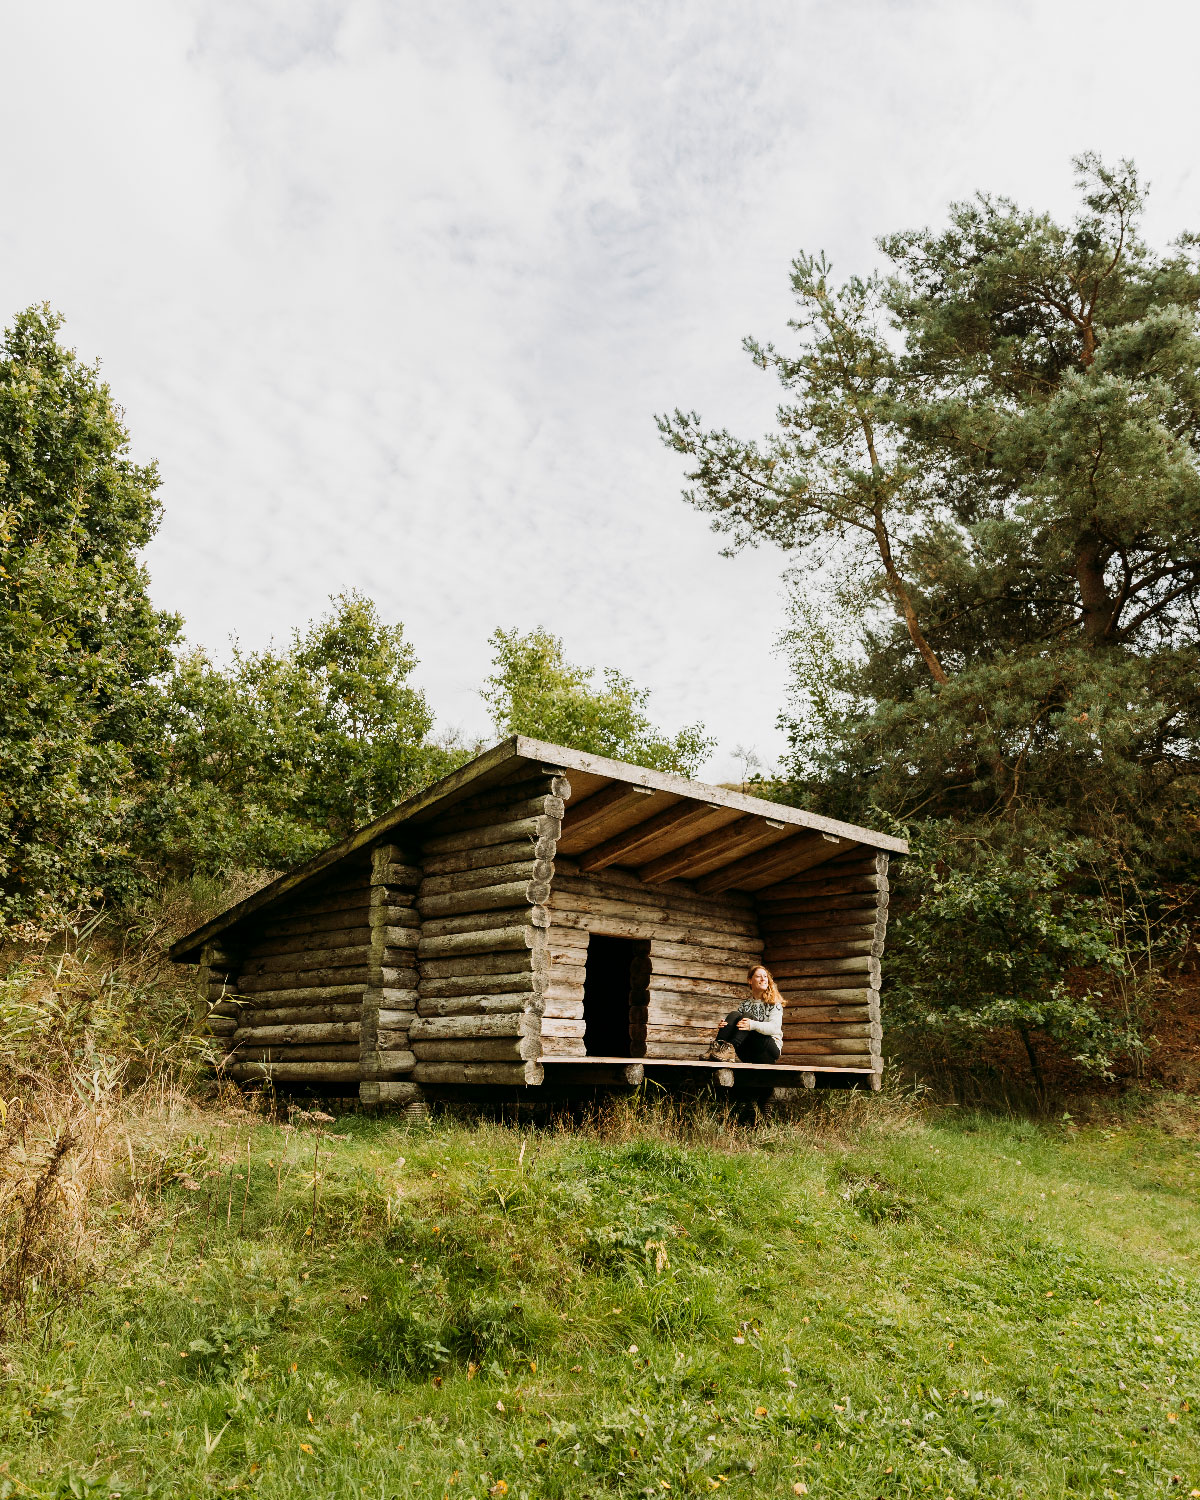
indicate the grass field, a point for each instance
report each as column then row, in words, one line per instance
column 871, row 1300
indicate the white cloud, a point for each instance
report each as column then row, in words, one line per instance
column 392, row 290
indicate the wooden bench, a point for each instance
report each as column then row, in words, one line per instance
column 632, row 1071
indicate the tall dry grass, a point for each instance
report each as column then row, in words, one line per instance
column 101, row 1071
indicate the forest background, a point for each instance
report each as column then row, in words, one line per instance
column 985, row 475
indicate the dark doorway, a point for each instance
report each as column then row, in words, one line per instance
column 607, row 981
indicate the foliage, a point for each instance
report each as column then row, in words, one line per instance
column 986, row 944
column 534, row 690
column 287, row 751
column 956, row 1306
column 79, row 640
column 1005, row 486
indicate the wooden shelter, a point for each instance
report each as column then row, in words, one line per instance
column 545, row 917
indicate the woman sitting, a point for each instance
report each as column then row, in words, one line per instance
column 753, row 1033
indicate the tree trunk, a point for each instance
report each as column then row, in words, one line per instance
column 1093, row 596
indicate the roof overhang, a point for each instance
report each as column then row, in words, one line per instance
column 660, row 826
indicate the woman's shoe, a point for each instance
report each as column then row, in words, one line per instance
column 722, row 1052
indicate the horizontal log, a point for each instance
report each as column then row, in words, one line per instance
column 324, row 942
column 527, row 1073
column 377, row 1064
column 296, row 1072
column 678, row 899
column 386, row 1064
column 537, row 870
column 709, row 953
column 510, row 1023
column 492, row 854
column 307, row 960
column 404, row 877
column 341, row 921
column 230, row 1006
column 312, row 981
column 302, row 1015
column 533, row 829
column 518, row 787
column 555, row 1009
column 344, row 898
column 778, row 949
column 404, row 998
column 391, row 1020
column 869, row 1029
column 827, row 996
column 562, row 1046
column 734, row 990
column 571, row 975
column 564, row 955
column 298, row 1033
column 376, row 1092
column 507, row 939
column 835, row 1044
column 812, row 1014
column 220, row 1025
column 838, row 926
column 675, row 1049
column 498, row 983
column 650, row 928
column 848, row 908
column 690, row 1009
column 478, row 1049
column 691, row 1022
column 841, row 867
column 264, row 993
column 792, row 984
column 511, row 811
column 595, row 1075
column 685, row 969
column 563, row 1026
column 486, row 898
column 824, row 927
column 523, row 915
column 481, row 1005
column 796, row 968
column 827, row 1060
column 845, row 885
column 679, row 1030
column 462, row 966
column 296, row 1054
column 389, row 1038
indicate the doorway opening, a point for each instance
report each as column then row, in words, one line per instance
column 607, row 983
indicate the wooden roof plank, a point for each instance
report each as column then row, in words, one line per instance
column 666, row 781
column 594, row 817
column 676, row 820
column 713, row 849
column 802, row 851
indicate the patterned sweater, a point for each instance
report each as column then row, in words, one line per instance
column 765, row 1018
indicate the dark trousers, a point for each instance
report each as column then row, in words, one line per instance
column 750, row 1046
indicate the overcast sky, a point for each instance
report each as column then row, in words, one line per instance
column 393, row 290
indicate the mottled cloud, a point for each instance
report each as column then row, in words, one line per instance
column 392, row 290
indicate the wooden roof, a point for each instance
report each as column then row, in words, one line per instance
column 660, row 826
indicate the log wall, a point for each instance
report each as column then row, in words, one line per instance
column 294, row 982
column 460, row 958
column 823, row 933
column 483, row 957
column 700, row 949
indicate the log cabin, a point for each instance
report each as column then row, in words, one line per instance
column 547, row 920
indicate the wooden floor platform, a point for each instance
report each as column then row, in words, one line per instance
column 632, row 1070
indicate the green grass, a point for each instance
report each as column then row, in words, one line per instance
column 866, row 1302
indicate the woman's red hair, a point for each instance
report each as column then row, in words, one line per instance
column 773, row 997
